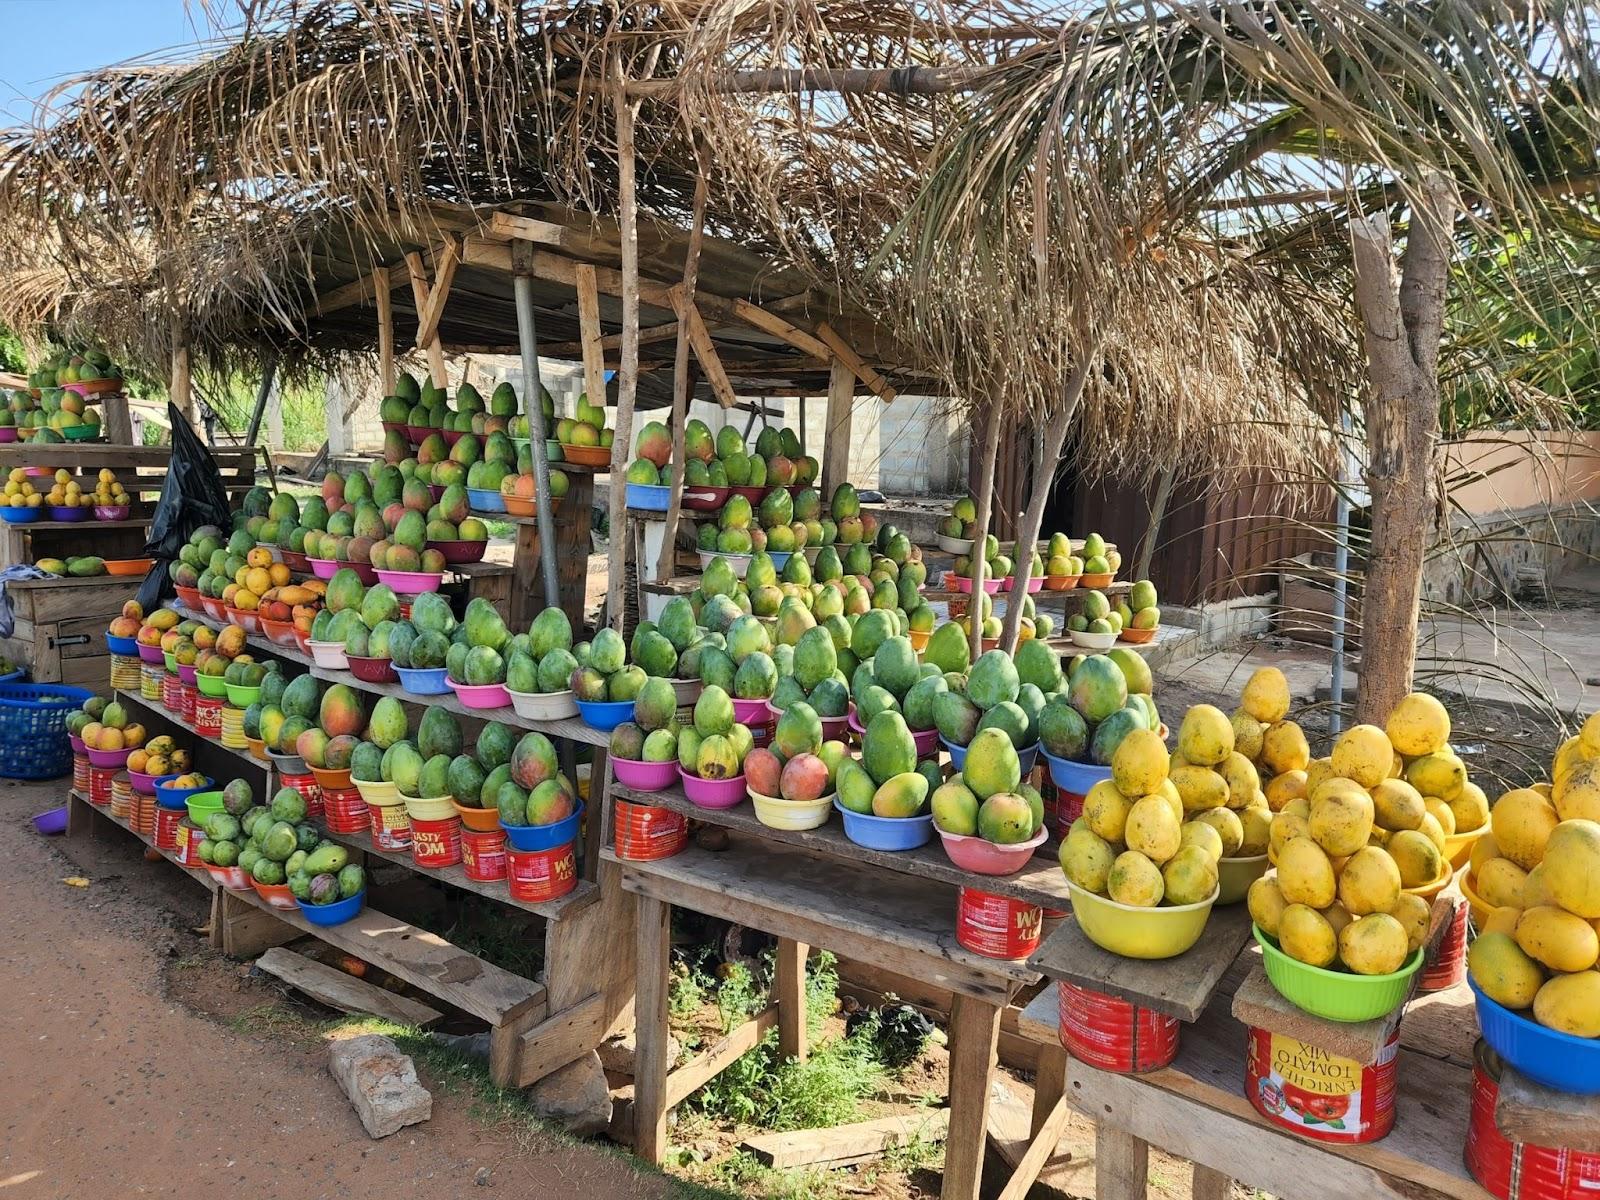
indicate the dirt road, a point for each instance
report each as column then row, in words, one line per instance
column 111, row 1084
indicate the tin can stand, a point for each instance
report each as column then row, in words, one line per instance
column 1518, row 1170
column 645, row 833
column 233, row 728
column 208, row 716
column 171, row 693
column 125, row 672
column 188, row 697
column 152, row 677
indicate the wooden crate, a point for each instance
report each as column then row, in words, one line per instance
column 60, row 634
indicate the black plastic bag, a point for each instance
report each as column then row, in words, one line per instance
column 192, row 496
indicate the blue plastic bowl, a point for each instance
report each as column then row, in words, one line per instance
column 886, row 833
column 19, row 516
column 1074, row 777
column 780, row 558
column 648, row 497
column 122, row 645
column 605, row 715
column 336, row 913
column 169, row 797
column 1557, row 1060
column 486, row 500
column 544, row 837
column 1026, row 757
column 15, row 676
column 423, row 681
column 958, row 754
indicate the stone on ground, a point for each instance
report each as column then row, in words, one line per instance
column 575, row 1097
column 381, row 1083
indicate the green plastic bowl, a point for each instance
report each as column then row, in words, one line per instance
column 1235, row 875
column 1335, row 995
column 202, row 805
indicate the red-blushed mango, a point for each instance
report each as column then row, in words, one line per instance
column 763, row 771
column 805, row 777
column 533, row 761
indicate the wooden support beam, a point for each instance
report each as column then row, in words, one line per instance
column 613, row 341
column 682, row 380
column 444, row 274
column 836, row 436
column 560, row 1039
column 527, row 229
column 380, row 291
column 789, row 991
column 1121, row 1164
column 650, row 1065
column 1052, row 1125
column 715, row 1059
column 757, row 317
column 877, row 383
column 974, row 1030
column 704, row 349
column 594, row 359
column 355, row 292
column 419, row 295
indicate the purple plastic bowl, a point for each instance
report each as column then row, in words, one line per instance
column 481, row 695
column 645, row 776
column 52, row 821
column 68, row 512
column 111, row 512
column 926, row 742
column 108, row 758
column 152, row 654
column 714, row 793
column 76, row 743
column 188, row 673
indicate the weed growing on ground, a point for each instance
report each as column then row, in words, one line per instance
column 746, row 1173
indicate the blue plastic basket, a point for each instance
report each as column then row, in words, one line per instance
column 886, row 833
column 544, row 837
column 33, row 729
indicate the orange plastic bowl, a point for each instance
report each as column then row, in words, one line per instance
column 129, row 566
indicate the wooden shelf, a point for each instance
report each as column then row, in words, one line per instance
column 85, row 526
column 161, row 712
column 1040, row 882
column 900, row 922
column 1181, row 987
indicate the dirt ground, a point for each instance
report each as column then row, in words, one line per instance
column 124, row 1074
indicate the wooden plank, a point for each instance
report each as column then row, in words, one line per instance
column 789, row 991
column 561, row 1038
column 718, row 1057
column 419, row 295
column 974, row 1029
column 381, row 292
column 1040, row 882
column 354, row 292
column 527, row 229
column 905, row 924
column 1121, row 1164
column 844, row 1145
column 1180, row 987
column 1013, row 1127
column 705, row 351
column 1040, row 1019
column 594, row 358
column 444, row 274
column 1052, row 1125
column 652, row 1034
column 573, row 546
column 666, row 331
column 1532, row 1113
column 760, row 318
column 1258, row 1003
column 836, row 438
column 841, row 349
column 337, row 989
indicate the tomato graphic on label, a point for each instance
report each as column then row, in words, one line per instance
column 1315, row 1106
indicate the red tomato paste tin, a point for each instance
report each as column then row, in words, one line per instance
column 188, row 697
column 1449, row 965
column 1516, row 1170
column 1318, row 1095
column 535, row 875
column 391, row 826
column 1069, row 807
column 997, row 926
column 1114, row 1035
column 208, row 716
column 80, row 774
column 436, row 843
column 100, row 785
column 645, row 833
column 171, row 693
column 189, row 839
column 167, row 820
column 345, row 811
column 483, row 854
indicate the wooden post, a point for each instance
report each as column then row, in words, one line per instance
column 974, row 1034
column 985, row 498
column 118, row 420
column 1121, row 1164
column 578, row 491
column 594, row 358
column 682, row 381
column 1210, row 1184
column 789, row 987
column 419, row 295
column 650, row 1054
column 1402, row 326
column 836, row 437
column 380, row 292
column 628, row 371
column 180, row 388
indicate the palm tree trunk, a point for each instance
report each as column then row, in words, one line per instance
column 1402, row 325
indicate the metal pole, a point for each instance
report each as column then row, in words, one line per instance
column 1341, row 564
column 268, row 369
column 533, row 405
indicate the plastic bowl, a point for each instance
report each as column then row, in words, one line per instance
column 171, row 661
column 1035, row 582
column 648, row 497
column 52, row 821
column 605, row 715
column 963, row 583
column 201, row 805
column 739, row 562
column 954, row 545
column 458, row 551
column 331, row 779
column 704, row 498
column 482, row 820
column 145, row 783
column 983, row 857
column 372, row 670
column 544, row 837
column 149, row 654
column 751, row 712
column 365, row 572
column 1074, row 777
column 714, row 793
column 329, row 655
column 323, row 568
column 241, row 696
column 213, row 686
column 1132, row 932
column 545, row 706
column 214, row 608
column 288, row 764
column 1430, row 890
column 1235, row 875
column 277, row 895
column 688, row 691
column 1060, row 583
column 1558, row 1060
column 1093, row 641
column 644, row 776
column 336, row 913
column 232, row 878
column 1458, row 846
column 480, row 695
column 175, row 797
column 1335, row 995
column 1138, row 637
column 296, row 561
column 124, row 646
column 777, row 813
column 411, row 583
column 68, row 512
column 587, row 456
column 1026, row 757
column 1482, row 910
column 19, row 516
column 377, row 791
column 424, row 681
column 116, row 759
column 886, row 833
column 429, row 808
column 487, row 500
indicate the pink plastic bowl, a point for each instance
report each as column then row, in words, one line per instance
column 481, row 695
column 646, row 776
column 77, row 744
column 411, row 583
column 926, row 741
column 714, row 793
column 983, row 857
column 751, row 712
column 1035, row 582
column 323, row 568
column 108, row 758
column 187, row 672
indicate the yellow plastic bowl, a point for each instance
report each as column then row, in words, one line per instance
column 1235, row 875
column 1482, row 910
column 1139, row 932
column 384, row 795
column 1429, row 890
column 776, row 813
column 429, row 808
column 1458, row 846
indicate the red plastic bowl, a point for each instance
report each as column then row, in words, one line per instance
column 646, row 776
column 372, row 670
column 714, row 793
column 983, row 857
column 215, row 608
column 296, row 561
column 460, row 552
column 280, row 633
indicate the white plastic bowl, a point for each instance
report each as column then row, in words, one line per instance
column 544, row 706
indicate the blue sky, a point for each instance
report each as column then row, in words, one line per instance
column 43, row 42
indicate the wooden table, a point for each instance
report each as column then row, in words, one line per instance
column 807, row 899
column 60, row 632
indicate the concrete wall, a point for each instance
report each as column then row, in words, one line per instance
column 1514, row 470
